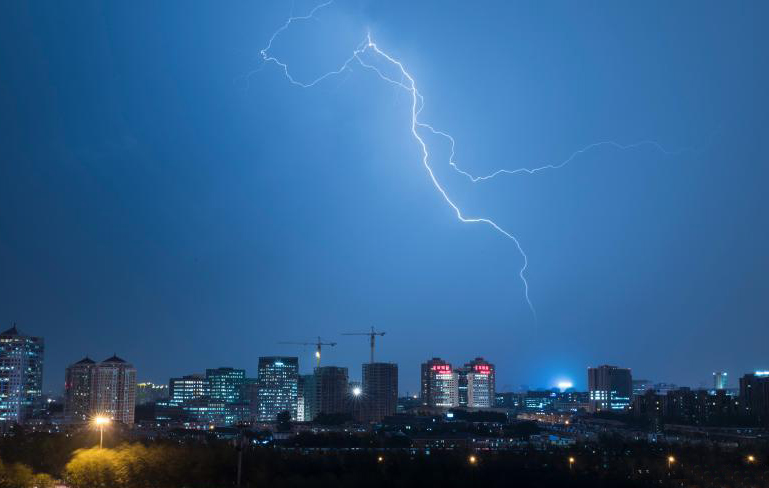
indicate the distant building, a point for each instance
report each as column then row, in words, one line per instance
column 754, row 396
column 277, row 389
column 305, row 397
column 481, row 383
column 572, row 401
column 331, row 392
column 187, row 388
column 113, row 390
column 720, row 380
column 686, row 406
column 665, row 388
column 610, row 388
column 78, row 381
column 226, row 384
column 21, row 375
column 439, row 384
column 640, row 387
column 380, row 390
column 104, row 389
column 149, row 392
column 539, row 401
column 508, row 400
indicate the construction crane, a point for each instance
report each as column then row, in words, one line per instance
column 371, row 334
column 317, row 344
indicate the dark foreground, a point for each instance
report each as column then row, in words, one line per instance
column 37, row 459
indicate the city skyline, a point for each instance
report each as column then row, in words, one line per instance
column 169, row 197
column 717, row 379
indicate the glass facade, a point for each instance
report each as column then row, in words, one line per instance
column 226, row 384
column 187, row 388
column 21, row 375
column 277, row 387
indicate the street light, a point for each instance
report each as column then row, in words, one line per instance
column 671, row 460
column 751, row 458
column 380, row 459
column 356, row 391
column 472, row 459
column 100, row 423
column 571, row 463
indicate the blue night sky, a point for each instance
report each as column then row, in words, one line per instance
column 166, row 196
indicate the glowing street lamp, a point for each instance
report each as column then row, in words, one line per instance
column 751, row 458
column 472, row 460
column 571, row 463
column 380, row 459
column 100, row 423
column 671, row 460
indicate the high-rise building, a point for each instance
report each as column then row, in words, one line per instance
column 113, row 391
column 462, row 386
column 77, row 391
column 104, row 389
column 439, row 384
column 226, row 384
column 481, row 383
column 21, row 375
column 720, row 380
column 305, row 397
column 327, row 392
column 754, row 396
column 187, row 388
column 277, row 387
column 380, row 390
column 610, row 387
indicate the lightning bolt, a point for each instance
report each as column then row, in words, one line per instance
column 408, row 84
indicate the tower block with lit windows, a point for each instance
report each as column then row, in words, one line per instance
column 106, row 389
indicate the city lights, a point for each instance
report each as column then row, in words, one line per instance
column 472, row 459
column 356, row 391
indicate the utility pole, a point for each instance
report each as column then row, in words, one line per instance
column 372, row 336
column 240, row 457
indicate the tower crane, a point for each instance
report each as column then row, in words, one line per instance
column 371, row 334
column 317, row 344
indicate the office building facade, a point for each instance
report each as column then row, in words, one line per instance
column 481, row 383
column 720, row 380
column 226, row 384
column 187, row 388
column 277, row 387
column 610, row 388
column 439, row 386
column 21, row 375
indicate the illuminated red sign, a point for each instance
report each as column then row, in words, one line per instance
column 482, row 368
column 441, row 368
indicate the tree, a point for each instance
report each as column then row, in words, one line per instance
column 95, row 468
